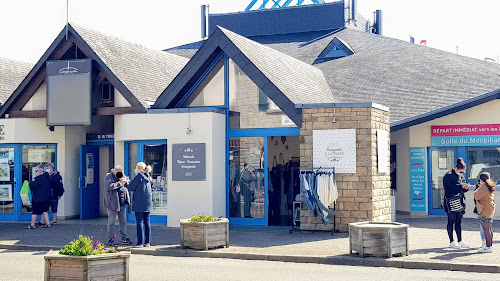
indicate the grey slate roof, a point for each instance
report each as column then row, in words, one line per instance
column 299, row 81
column 12, row 74
column 408, row 78
column 145, row 72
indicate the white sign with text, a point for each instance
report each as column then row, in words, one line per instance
column 335, row 148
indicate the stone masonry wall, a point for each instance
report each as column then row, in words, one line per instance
column 364, row 196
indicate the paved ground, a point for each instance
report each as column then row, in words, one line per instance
column 146, row 267
column 427, row 235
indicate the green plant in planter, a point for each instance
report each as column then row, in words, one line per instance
column 84, row 246
column 203, row 218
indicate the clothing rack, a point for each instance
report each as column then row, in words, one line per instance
column 316, row 171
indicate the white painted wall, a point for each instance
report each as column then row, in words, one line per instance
column 401, row 139
column 185, row 199
column 120, row 101
column 67, row 139
column 39, row 99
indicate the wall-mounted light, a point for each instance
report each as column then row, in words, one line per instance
column 334, row 118
column 51, row 128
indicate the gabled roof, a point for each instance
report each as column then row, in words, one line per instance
column 145, row 72
column 287, row 81
column 139, row 73
column 408, row 78
column 11, row 74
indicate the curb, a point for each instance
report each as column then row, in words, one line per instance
column 331, row 260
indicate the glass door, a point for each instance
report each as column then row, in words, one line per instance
column 8, row 198
column 247, row 180
column 441, row 161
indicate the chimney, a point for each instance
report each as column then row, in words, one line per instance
column 377, row 29
column 203, row 21
column 353, row 9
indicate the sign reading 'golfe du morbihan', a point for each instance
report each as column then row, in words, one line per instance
column 466, row 135
column 189, row 162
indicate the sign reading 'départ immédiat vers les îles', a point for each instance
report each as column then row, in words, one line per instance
column 189, row 162
column 417, row 179
column 466, row 135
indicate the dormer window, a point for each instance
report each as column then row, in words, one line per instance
column 335, row 50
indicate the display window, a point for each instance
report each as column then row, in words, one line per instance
column 154, row 154
column 483, row 159
column 7, row 180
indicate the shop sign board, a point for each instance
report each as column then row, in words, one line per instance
column 189, row 162
column 383, row 151
column 417, row 179
column 466, row 135
column 335, row 149
column 7, row 128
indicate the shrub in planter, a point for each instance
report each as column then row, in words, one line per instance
column 203, row 232
column 85, row 259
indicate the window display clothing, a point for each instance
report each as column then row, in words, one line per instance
column 234, row 190
column 246, row 182
column 317, row 187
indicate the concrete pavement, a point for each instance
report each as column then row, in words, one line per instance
column 427, row 235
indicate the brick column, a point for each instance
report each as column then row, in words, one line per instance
column 364, row 196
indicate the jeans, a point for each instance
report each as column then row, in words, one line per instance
column 454, row 219
column 481, row 232
column 143, row 227
column 122, row 219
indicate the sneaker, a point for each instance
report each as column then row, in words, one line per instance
column 463, row 244
column 138, row 246
column 483, row 244
column 111, row 241
column 485, row 250
column 126, row 241
column 454, row 245
column 147, row 245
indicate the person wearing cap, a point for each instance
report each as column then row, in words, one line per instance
column 115, row 198
column 40, row 197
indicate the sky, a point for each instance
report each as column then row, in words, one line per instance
column 28, row 27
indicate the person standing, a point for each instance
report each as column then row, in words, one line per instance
column 454, row 185
column 142, row 203
column 40, row 197
column 115, row 198
column 485, row 196
column 56, row 189
column 247, row 179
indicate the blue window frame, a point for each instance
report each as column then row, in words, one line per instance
column 17, row 214
column 140, row 145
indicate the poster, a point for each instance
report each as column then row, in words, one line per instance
column 36, row 155
column 335, row 148
column 417, row 179
column 189, row 162
column 383, row 151
column 5, row 192
column 4, row 170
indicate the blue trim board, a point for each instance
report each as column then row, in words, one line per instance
column 215, row 109
column 342, row 105
column 101, row 142
column 273, row 132
column 226, row 104
column 454, row 108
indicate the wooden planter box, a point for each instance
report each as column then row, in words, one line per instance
column 113, row 266
column 378, row 238
column 204, row 235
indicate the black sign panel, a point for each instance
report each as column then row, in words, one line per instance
column 69, row 87
column 189, row 162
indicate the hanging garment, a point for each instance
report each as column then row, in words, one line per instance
column 304, row 186
column 334, row 193
column 322, row 210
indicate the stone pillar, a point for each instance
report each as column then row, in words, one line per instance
column 364, row 196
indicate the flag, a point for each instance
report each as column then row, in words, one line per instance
column 423, row 42
column 412, row 40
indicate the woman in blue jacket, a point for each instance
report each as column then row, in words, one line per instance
column 40, row 195
column 142, row 203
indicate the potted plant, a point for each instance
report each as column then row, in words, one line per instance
column 203, row 232
column 85, row 259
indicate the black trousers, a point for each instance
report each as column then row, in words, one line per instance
column 455, row 219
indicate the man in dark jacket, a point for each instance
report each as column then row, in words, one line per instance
column 56, row 190
column 40, row 196
column 247, row 177
column 115, row 198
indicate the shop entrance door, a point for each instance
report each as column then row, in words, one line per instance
column 441, row 160
column 89, row 182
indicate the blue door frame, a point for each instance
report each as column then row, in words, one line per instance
column 140, row 157
column 18, row 163
column 459, row 152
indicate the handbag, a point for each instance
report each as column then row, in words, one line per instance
column 26, row 194
column 455, row 203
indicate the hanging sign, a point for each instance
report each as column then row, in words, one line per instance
column 466, row 135
column 417, row 179
column 189, row 162
column 335, row 148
